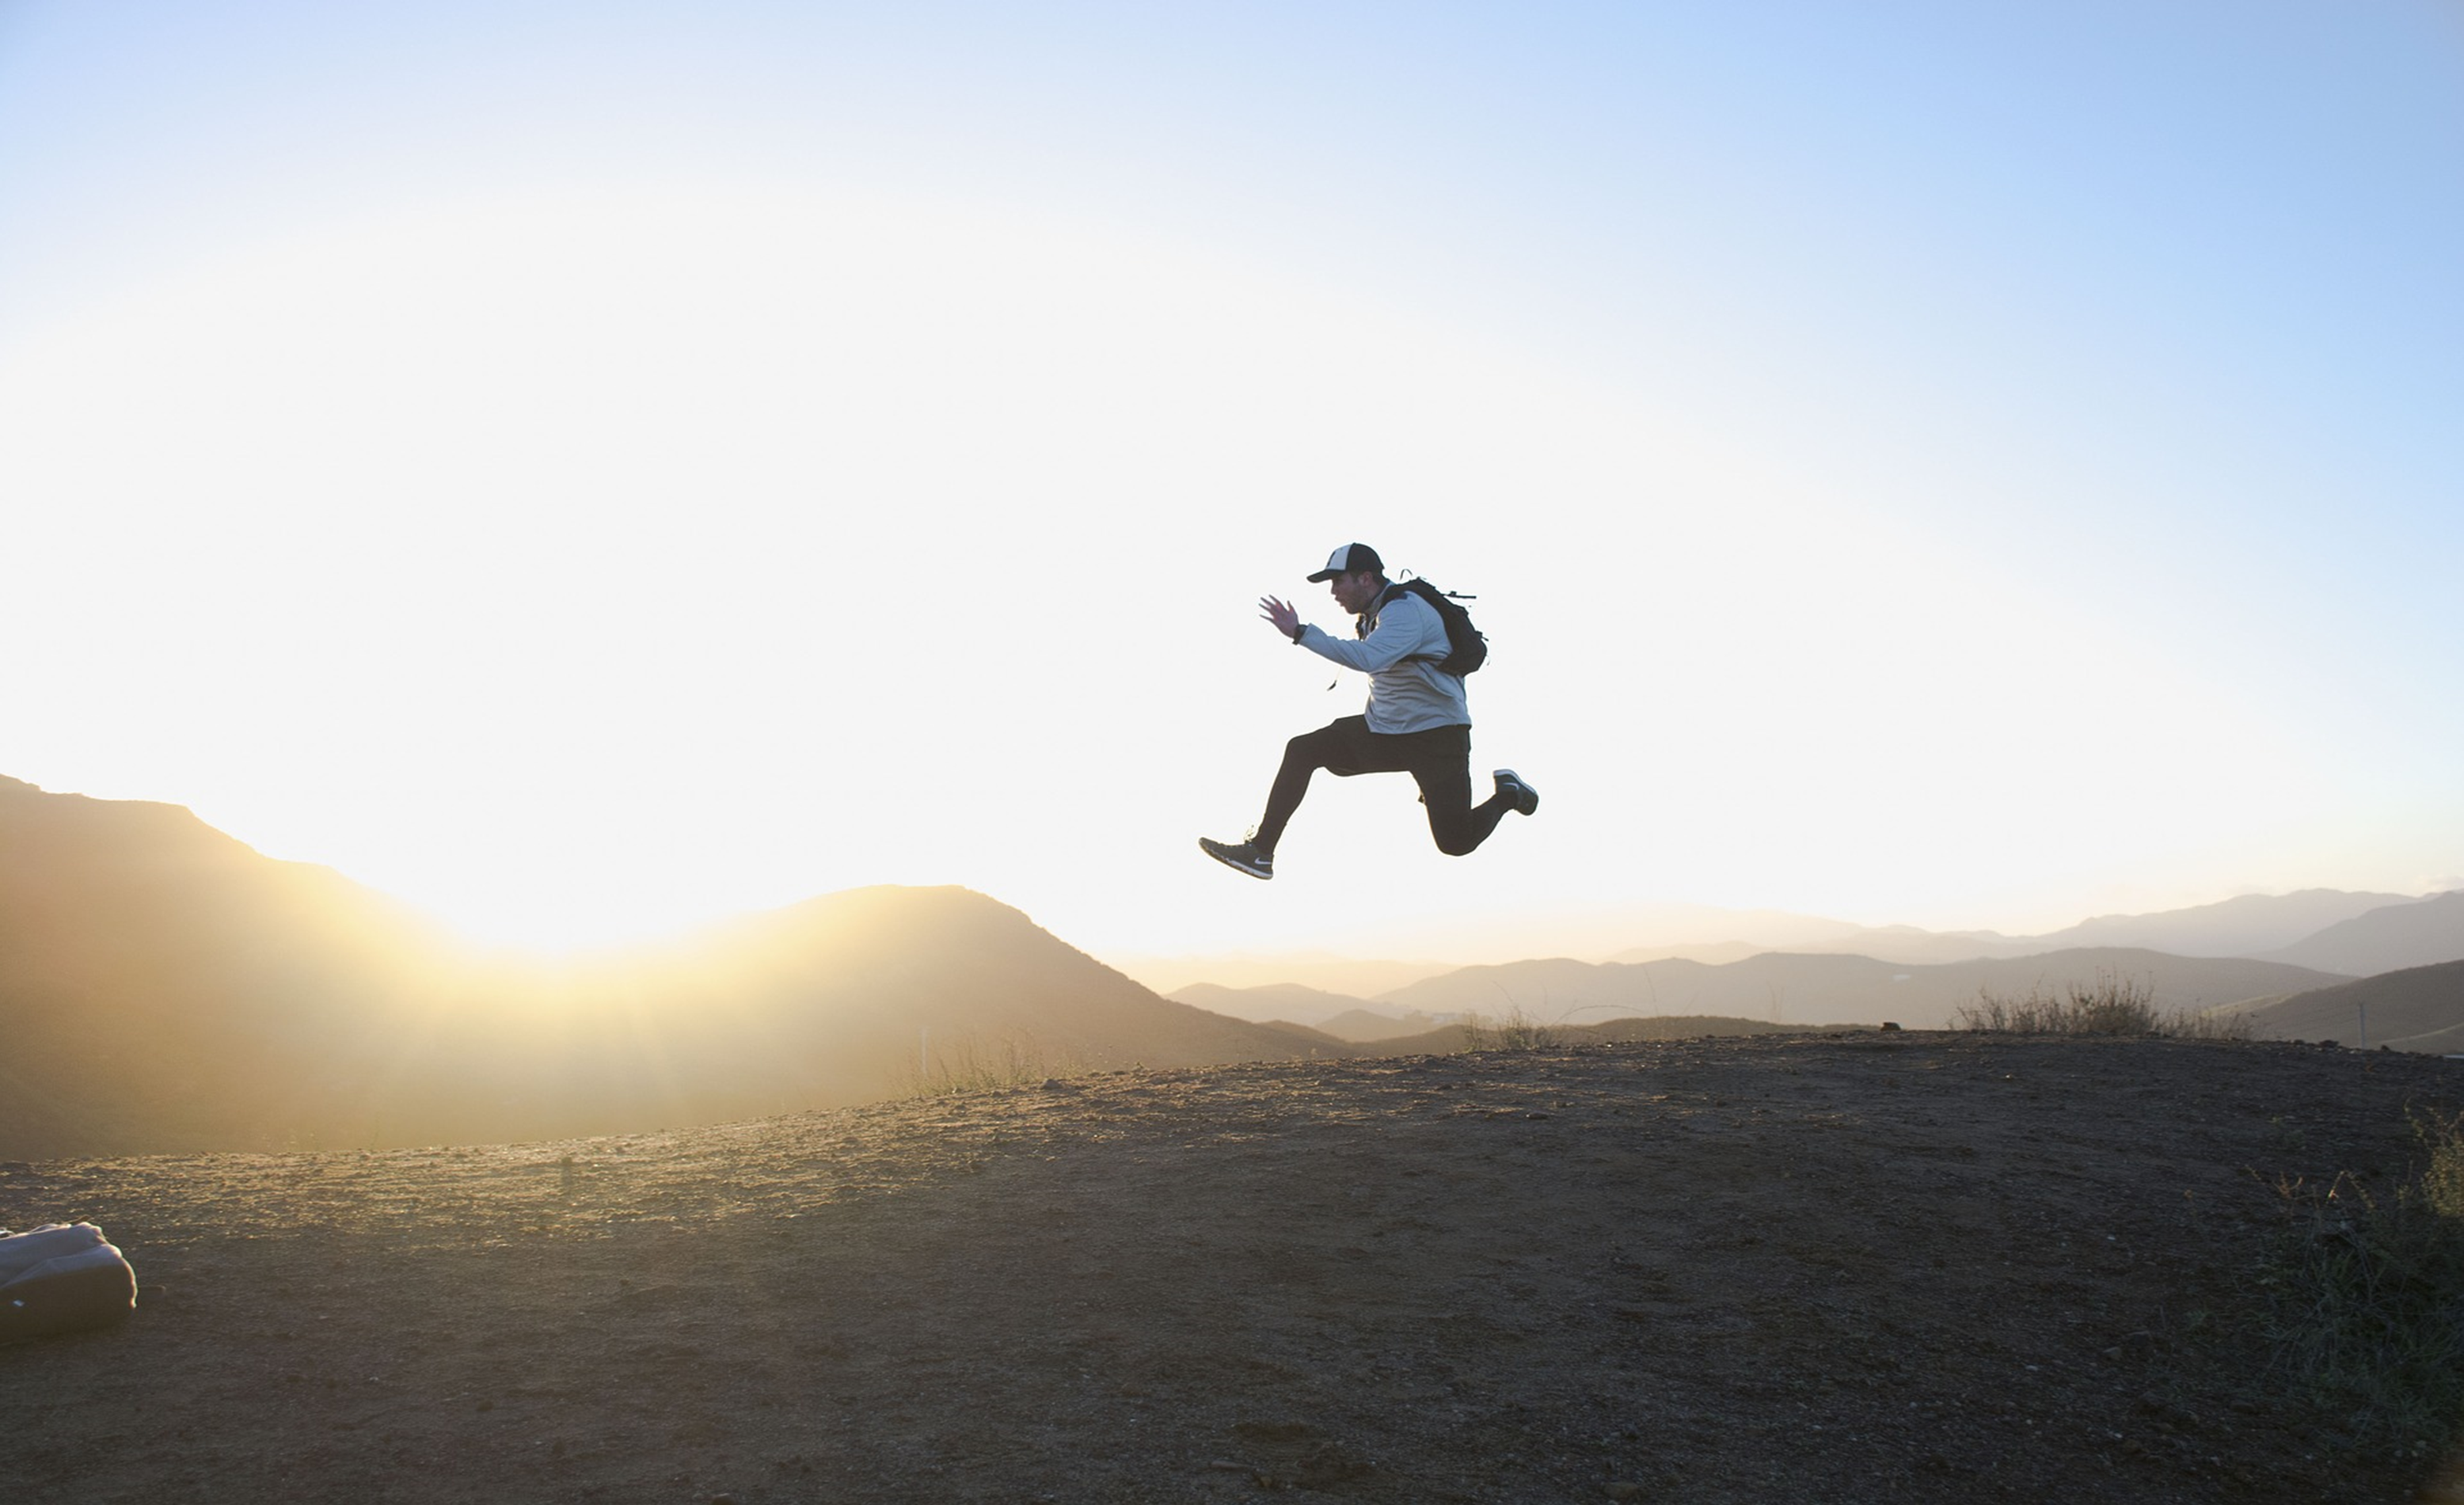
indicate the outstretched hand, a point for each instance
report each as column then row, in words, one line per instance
column 1287, row 621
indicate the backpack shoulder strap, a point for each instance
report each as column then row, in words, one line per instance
column 1397, row 590
column 1362, row 624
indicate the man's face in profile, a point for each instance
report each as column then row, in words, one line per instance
column 1353, row 592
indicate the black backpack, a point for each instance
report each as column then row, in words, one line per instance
column 1467, row 649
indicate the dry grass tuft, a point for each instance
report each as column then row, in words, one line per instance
column 2112, row 1005
column 2365, row 1293
column 1513, row 1031
column 968, row 1066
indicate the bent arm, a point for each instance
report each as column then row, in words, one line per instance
column 1403, row 628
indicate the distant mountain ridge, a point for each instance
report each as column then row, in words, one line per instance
column 1288, row 1002
column 2325, row 930
column 2415, row 932
column 1171, row 975
column 2248, row 925
column 164, row 987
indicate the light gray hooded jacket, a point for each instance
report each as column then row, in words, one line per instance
column 1399, row 653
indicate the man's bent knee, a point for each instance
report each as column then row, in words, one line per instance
column 1457, row 844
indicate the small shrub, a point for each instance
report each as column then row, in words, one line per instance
column 2208, row 1026
column 969, row 1068
column 1515, row 1031
column 2367, row 1294
column 2112, row 1005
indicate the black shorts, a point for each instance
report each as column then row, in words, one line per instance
column 1348, row 747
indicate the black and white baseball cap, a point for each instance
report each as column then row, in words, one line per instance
column 1349, row 559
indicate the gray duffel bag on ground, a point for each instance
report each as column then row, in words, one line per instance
column 60, row 1277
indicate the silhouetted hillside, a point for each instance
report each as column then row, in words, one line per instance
column 165, row 988
column 1906, row 945
column 1361, row 1025
column 2417, row 1008
column 1788, row 988
column 1712, row 953
column 1331, row 1014
column 2252, row 924
column 845, row 998
column 1347, row 976
column 2415, row 932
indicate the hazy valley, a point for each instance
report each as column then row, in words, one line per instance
column 220, row 999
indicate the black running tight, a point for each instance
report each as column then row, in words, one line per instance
column 1438, row 760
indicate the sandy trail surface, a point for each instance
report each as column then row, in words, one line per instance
column 1883, row 1267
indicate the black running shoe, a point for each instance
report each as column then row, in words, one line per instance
column 1518, row 793
column 1244, row 857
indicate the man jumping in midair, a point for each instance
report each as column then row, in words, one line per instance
column 1418, row 721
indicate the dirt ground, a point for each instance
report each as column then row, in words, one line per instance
column 1852, row 1269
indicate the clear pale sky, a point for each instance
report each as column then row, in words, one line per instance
column 588, row 469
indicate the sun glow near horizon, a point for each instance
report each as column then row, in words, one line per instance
column 592, row 552
column 589, row 481
column 629, row 560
